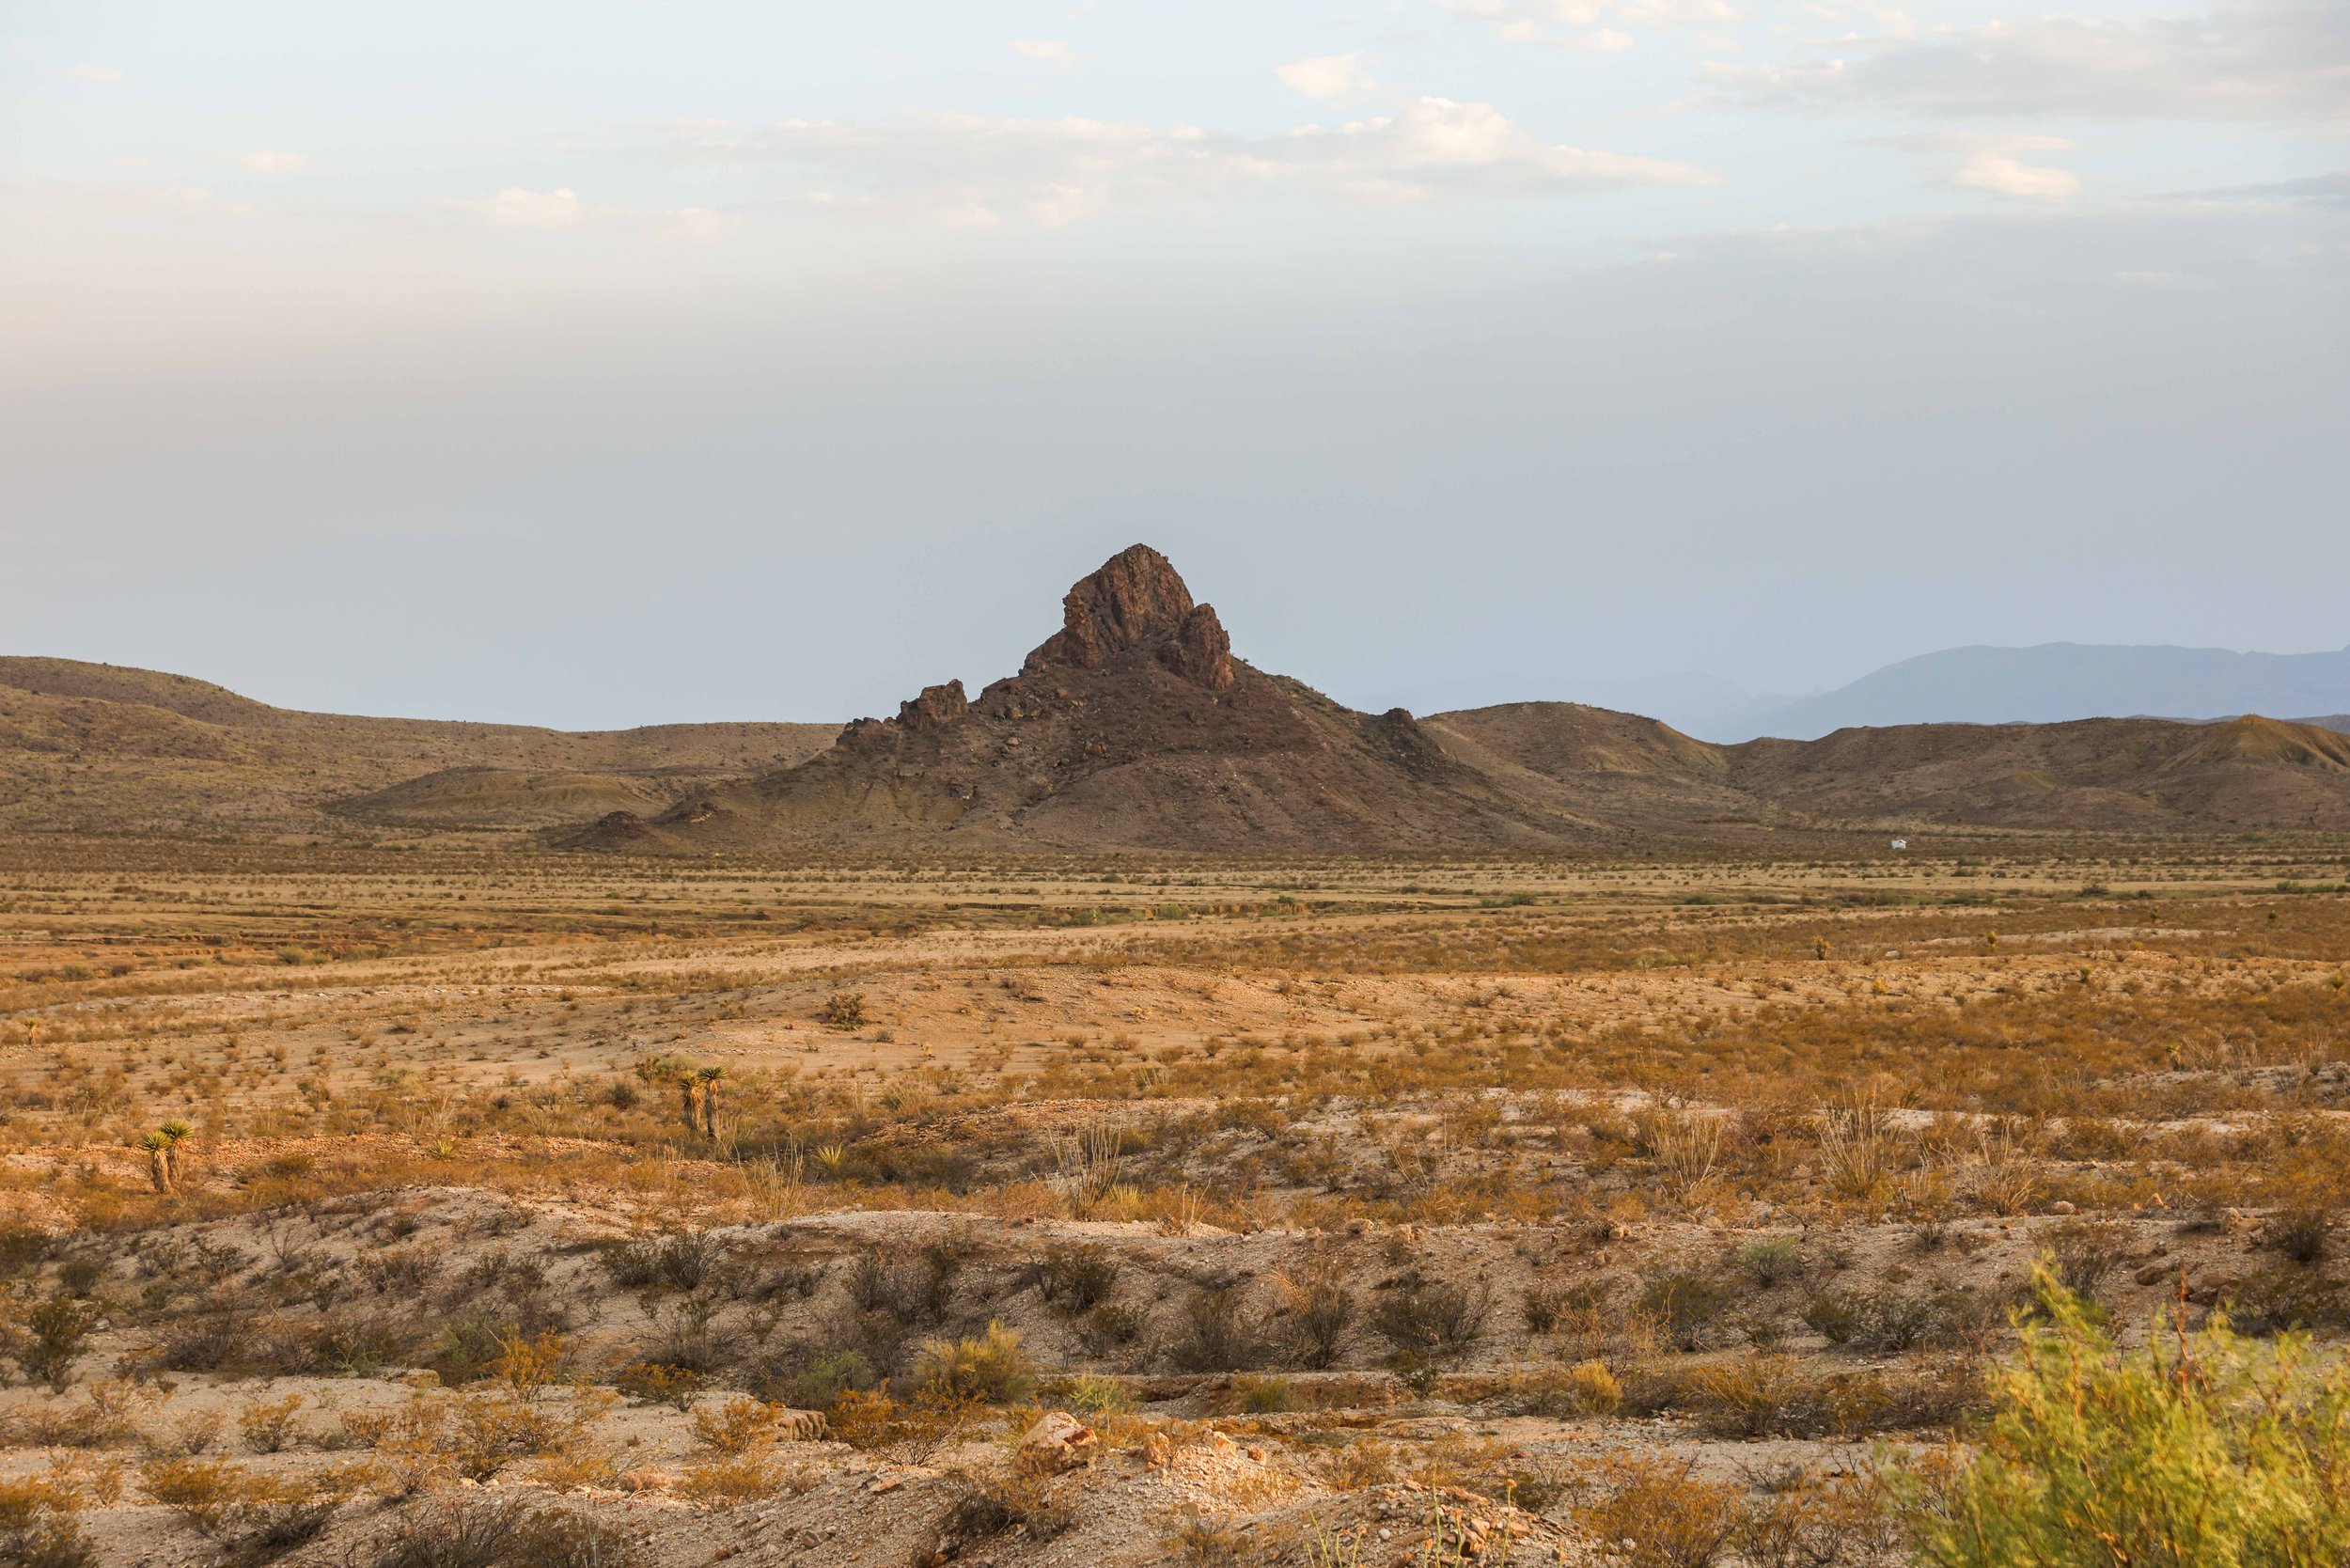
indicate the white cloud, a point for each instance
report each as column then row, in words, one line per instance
column 1993, row 164
column 515, row 207
column 94, row 73
column 1327, row 76
column 276, row 164
column 967, row 170
column 2243, row 59
column 1052, row 52
column 1589, row 26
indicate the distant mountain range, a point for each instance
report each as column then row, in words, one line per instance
column 1135, row 725
column 2050, row 683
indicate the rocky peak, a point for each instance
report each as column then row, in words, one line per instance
column 937, row 705
column 1136, row 603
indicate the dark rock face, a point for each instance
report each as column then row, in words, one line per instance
column 1137, row 604
column 1199, row 652
column 936, row 706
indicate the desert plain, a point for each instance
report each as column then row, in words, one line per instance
column 443, row 1200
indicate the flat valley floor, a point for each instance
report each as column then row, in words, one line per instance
column 391, row 1204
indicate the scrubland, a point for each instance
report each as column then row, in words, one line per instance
column 447, row 1206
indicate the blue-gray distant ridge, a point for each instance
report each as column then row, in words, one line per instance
column 2061, row 681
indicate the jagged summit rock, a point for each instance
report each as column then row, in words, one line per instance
column 1138, row 604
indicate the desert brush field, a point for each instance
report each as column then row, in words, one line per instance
column 442, row 1204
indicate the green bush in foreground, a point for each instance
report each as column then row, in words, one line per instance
column 2204, row 1450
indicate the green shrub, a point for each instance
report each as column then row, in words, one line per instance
column 1263, row 1396
column 51, row 1340
column 830, row 1374
column 1095, row 1395
column 992, row 1369
column 2202, row 1448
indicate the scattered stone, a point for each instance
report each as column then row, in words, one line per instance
column 1058, row 1442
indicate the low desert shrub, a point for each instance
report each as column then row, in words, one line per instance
column 508, row 1535
column 2200, row 1447
column 2302, row 1234
column 1886, row 1318
column 989, row 1505
column 1093, row 1395
column 735, row 1425
column 1256, row 1395
column 727, row 1481
column 50, row 1340
column 1660, row 1512
column 1219, row 1334
column 1806, row 1517
column 1201, row 1542
column 1688, row 1307
column 1077, row 1278
column 222, row 1501
column 51, row 1542
column 2278, row 1300
column 105, row 1414
column 1754, row 1396
column 1111, row 1326
column 361, row 1344
column 1540, row 1307
column 2085, row 1253
column 680, row 1262
column 1771, row 1262
column 267, row 1426
column 1585, row 1388
column 1434, row 1323
column 814, row 1382
column 992, row 1369
column 1319, row 1312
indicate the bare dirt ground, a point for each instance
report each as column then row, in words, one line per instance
column 438, row 1204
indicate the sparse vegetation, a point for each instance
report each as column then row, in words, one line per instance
column 1350, row 1184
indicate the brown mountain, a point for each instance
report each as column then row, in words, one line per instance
column 1132, row 725
column 1135, row 726
column 104, row 748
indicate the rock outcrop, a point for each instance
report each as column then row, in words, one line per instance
column 1136, row 605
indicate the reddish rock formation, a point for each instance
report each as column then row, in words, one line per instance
column 937, row 705
column 1137, row 604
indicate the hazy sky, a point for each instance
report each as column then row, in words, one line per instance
column 590, row 363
